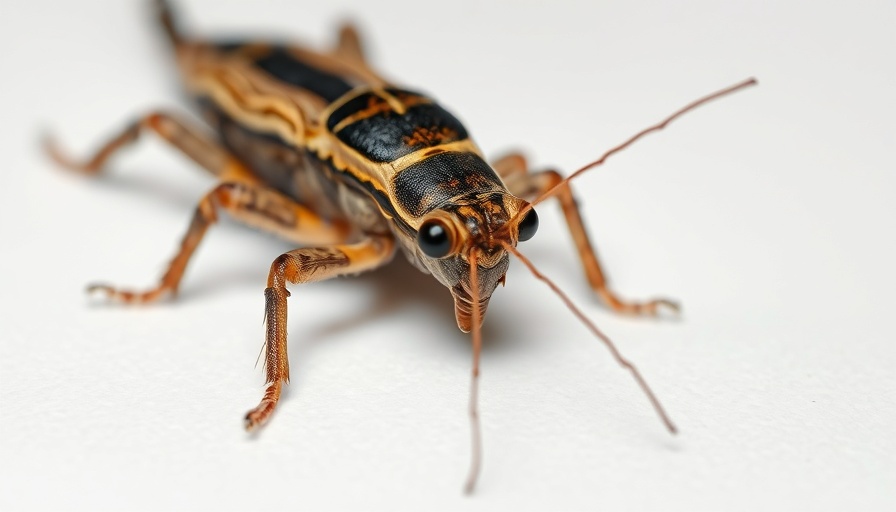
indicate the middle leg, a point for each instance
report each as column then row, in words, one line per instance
column 251, row 204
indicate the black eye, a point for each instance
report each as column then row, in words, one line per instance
column 434, row 240
column 528, row 226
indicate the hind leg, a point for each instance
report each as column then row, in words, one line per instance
column 514, row 170
column 190, row 140
column 240, row 194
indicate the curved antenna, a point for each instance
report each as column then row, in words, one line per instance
column 475, row 429
column 625, row 363
column 631, row 140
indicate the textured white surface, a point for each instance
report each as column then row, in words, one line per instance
column 769, row 214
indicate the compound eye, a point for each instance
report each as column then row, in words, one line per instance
column 434, row 239
column 528, row 226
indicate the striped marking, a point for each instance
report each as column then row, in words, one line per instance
column 396, row 146
column 371, row 125
column 282, row 65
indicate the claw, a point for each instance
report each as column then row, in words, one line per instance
column 53, row 150
column 257, row 417
column 654, row 307
column 650, row 308
column 129, row 297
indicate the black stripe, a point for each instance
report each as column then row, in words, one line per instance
column 388, row 135
column 284, row 66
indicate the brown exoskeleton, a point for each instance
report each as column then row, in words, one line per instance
column 319, row 149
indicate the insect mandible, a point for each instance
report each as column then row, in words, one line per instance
column 317, row 148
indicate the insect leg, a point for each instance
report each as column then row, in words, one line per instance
column 305, row 266
column 349, row 46
column 514, row 171
column 185, row 137
column 512, row 168
column 251, row 204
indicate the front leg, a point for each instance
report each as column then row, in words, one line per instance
column 305, row 266
column 515, row 173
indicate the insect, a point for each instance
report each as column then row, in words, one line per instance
column 316, row 147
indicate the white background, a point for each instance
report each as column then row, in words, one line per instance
column 768, row 214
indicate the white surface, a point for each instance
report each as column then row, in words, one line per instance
column 768, row 214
